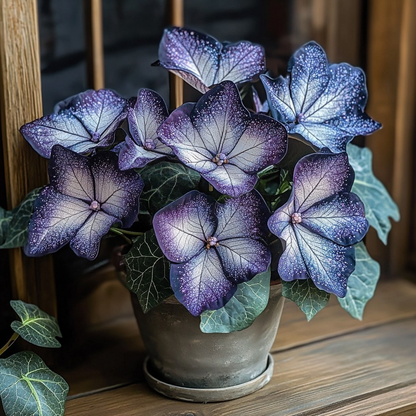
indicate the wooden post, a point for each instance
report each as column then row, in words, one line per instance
column 21, row 102
column 93, row 18
column 175, row 10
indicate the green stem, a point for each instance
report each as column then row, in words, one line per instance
column 9, row 343
column 118, row 232
column 135, row 233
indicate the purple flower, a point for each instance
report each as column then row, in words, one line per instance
column 144, row 116
column 219, row 138
column 321, row 102
column 86, row 196
column 213, row 246
column 320, row 222
column 81, row 123
column 202, row 61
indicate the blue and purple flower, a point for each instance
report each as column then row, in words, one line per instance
column 203, row 62
column 219, row 138
column 320, row 223
column 145, row 115
column 81, row 123
column 321, row 102
column 86, row 196
column 212, row 246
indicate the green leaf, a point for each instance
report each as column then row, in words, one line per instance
column 14, row 223
column 361, row 284
column 29, row 387
column 306, row 295
column 378, row 204
column 242, row 309
column 148, row 271
column 36, row 326
column 166, row 182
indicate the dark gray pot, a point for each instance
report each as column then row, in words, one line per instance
column 188, row 364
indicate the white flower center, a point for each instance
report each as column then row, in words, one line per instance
column 296, row 218
column 149, row 144
column 95, row 206
column 220, row 158
column 211, row 242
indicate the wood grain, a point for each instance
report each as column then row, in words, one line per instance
column 21, row 102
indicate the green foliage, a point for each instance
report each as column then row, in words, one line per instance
column 148, row 271
column 306, row 295
column 14, row 223
column 29, row 387
column 272, row 184
column 361, row 284
column 166, row 182
column 36, row 326
column 242, row 309
column 378, row 204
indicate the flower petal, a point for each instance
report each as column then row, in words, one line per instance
column 245, row 216
column 117, row 191
column 183, row 227
column 56, row 219
column 339, row 218
column 200, row 283
column 86, row 242
column 243, row 258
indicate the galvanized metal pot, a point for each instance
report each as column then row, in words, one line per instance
column 187, row 364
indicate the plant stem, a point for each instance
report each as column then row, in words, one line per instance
column 118, row 232
column 9, row 343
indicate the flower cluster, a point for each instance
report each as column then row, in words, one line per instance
column 213, row 176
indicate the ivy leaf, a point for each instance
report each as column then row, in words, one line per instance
column 14, row 224
column 36, row 326
column 361, row 284
column 166, row 182
column 148, row 271
column 242, row 309
column 379, row 205
column 306, row 295
column 29, row 387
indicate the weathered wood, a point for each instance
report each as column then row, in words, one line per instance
column 21, row 102
column 372, row 370
column 94, row 43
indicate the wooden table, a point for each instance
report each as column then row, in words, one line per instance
column 333, row 365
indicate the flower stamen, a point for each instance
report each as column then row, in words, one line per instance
column 211, row 242
column 296, row 218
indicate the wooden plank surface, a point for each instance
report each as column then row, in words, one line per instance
column 21, row 102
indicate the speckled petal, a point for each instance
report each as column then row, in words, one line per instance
column 245, row 216
column 243, row 258
column 55, row 220
column 101, row 112
column 86, row 242
column 70, row 174
column 240, row 62
column 183, row 227
column 339, row 218
column 116, row 191
column 307, row 254
column 259, row 107
column 263, row 143
column 200, row 283
column 63, row 128
column 318, row 176
column 190, row 52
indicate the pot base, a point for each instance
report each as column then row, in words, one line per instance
column 208, row 395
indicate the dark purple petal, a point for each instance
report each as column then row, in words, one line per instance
column 183, row 227
column 70, row 174
column 63, row 128
column 339, row 218
column 309, row 255
column 263, row 143
column 202, row 61
column 56, row 219
column 86, row 242
column 116, row 191
column 245, row 216
column 243, row 258
column 318, row 176
column 200, row 283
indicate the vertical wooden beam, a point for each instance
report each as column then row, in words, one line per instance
column 21, row 102
column 176, row 18
column 93, row 18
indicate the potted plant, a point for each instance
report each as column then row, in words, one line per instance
column 241, row 202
